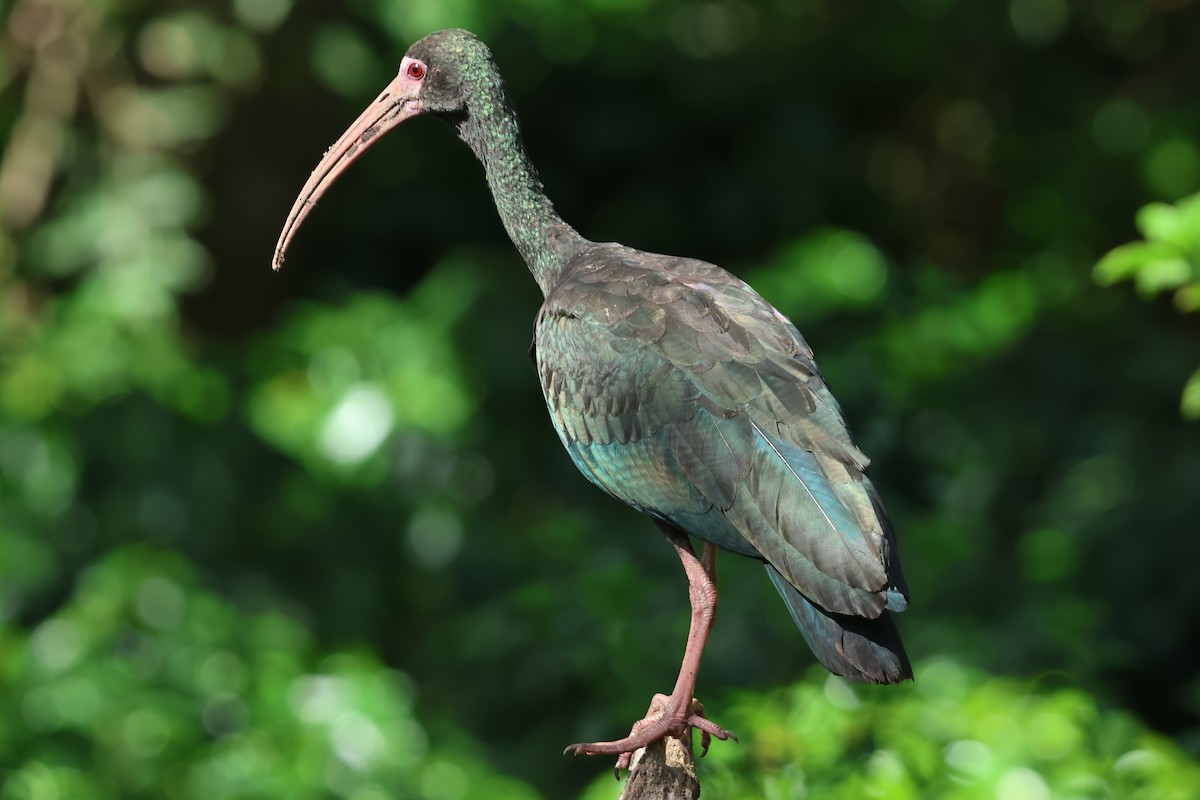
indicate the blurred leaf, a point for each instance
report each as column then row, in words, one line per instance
column 1191, row 397
column 825, row 270
column 1168, row 259
column 144, row 681
column 1129, row 260
column 957, row 733
column 1158, row 274
column 1166, row 223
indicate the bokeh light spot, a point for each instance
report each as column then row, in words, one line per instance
column 222, row 672
column 262, row 15
column 1172, row 169
column 317, row 698
column 56, row 644
column 77, row 700
column 345, row 62
column 1120, row 127
column 841, row 694
column 1038, row 22
column 435, row 537
column 332, row 370
column 1052, row 735
column 145, row 733
column 224, row 715
column 160, row 603
column 442, row 779
column 710, row 29
column 356, row 740
column 357, row 425
column 1022, row 783
column 970, row 757
column 168, row 49
column 1047, row 554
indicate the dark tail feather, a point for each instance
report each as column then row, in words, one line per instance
column 857, row 648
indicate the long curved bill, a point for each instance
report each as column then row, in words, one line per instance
column 397, row 103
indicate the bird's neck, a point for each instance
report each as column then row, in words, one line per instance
column 544, row 240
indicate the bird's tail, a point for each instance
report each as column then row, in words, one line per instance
column 857, row 648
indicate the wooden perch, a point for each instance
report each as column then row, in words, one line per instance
column 664, row 770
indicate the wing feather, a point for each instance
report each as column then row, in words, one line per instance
column 680, row 391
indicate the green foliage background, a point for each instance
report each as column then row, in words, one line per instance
column 310, row 534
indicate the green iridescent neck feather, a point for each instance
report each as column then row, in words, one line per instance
column 490, row 129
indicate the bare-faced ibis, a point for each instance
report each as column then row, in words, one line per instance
column 677, row 389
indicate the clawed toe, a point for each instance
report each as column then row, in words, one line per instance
column 662, row 719
column 708, row 731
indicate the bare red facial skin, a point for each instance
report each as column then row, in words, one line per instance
column 401, row 100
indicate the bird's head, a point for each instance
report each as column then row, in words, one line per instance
column 445, row 73
column 454, row 66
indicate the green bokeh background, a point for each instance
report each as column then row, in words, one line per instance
column 309, row 534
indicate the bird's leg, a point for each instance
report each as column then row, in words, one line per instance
column 708, row 560
column 678, row 714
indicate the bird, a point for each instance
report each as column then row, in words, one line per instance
column 678, row 390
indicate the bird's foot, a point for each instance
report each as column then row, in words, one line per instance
column 664, row 718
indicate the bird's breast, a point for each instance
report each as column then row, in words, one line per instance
column 608, row 401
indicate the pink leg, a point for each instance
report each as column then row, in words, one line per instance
column 678, row 714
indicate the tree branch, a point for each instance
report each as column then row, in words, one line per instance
column 664, row 770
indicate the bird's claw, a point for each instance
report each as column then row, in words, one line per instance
column 660, row 720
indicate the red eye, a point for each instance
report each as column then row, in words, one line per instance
column 416, row 70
